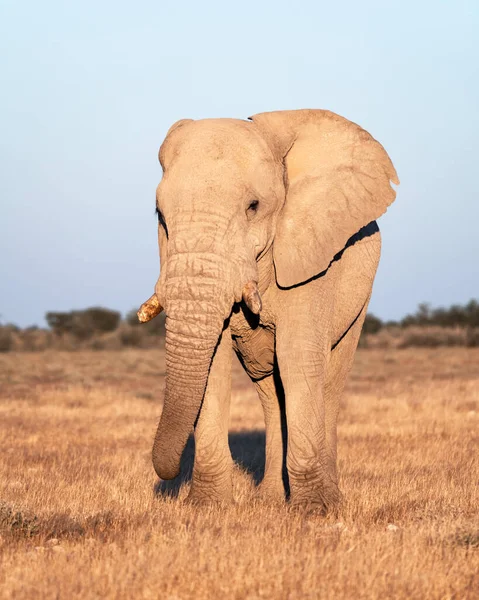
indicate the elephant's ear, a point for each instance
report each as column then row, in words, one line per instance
column 337, row 181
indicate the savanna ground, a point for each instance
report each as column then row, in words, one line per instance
column 81, row 515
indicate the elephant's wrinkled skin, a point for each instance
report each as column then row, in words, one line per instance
column 268, row 245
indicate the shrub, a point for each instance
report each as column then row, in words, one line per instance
column 132, row 318
column 372, row 324
column 107, row 341
column 34, row 339
column 472, row 337
column 6, row 338
column 131, row 336
column 102, row 320
column 59, row 322
column 16, row 521
column 154, row 327
column 83, row 324
column 432, row 337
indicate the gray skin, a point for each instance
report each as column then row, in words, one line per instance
column 281, row 207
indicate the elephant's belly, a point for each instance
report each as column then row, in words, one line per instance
column 256, row 352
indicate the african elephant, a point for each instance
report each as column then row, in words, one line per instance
column 268, row 246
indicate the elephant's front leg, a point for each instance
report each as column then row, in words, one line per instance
column 303, row 355
column 212, row 471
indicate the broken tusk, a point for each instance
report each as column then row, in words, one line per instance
column 252, row 297
column 149, row 309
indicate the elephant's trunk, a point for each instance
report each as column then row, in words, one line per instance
column 197, row 304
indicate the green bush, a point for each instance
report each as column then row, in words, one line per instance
column 472, row 337
column 154, row 327
column 102, row 319
column 131, row 336
column 372, row 324
column 83, row 324
column 432, row 337
column 6, row 338
column 34, row 339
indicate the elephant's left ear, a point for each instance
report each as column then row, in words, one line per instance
column 338, row 180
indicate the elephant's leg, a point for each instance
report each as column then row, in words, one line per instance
column 303, row 350
column 212, row 471
column 272, row 400
column 340, row 363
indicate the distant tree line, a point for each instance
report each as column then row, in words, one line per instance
column 428, row 327
column 95, row 328
column 466, row 316
column 99, row 328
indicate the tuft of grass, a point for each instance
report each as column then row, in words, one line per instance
column 17, row 522
column 467, row 539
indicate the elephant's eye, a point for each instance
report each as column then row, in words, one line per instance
column 252, row 207
column 161, row 220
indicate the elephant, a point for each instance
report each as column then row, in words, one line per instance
column 269, row 247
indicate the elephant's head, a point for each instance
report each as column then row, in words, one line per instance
column 299, row 182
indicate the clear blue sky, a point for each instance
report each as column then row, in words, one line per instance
column 89, row 90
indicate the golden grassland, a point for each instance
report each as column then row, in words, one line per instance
column 82, row 516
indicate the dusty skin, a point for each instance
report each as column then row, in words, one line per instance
column 268, row 247
column 80, row 517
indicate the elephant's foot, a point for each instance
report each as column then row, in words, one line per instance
column 211, row 489
column 315, row 495
column 271, row 490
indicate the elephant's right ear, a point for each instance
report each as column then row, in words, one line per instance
column 338, row 180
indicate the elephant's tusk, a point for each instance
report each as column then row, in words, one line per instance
column 252, row 297
column 149, row 309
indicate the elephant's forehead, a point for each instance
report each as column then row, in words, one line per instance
column 216, row 144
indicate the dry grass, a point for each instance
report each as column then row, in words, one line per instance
column 79, row 516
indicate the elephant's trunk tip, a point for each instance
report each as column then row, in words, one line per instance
column 166, row 463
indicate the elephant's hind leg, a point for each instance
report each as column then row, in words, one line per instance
column 340, row 363
column 212, row 471
column 272, row 399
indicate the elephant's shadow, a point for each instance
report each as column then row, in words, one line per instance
column 247, row 449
